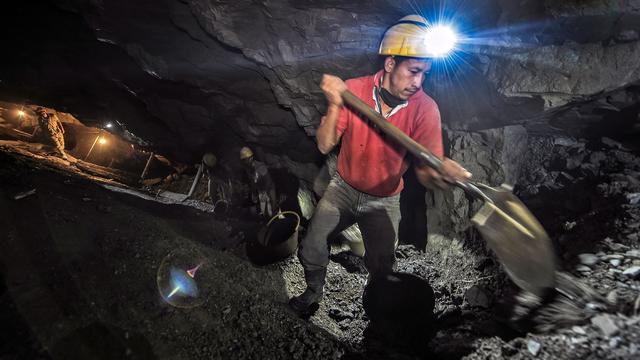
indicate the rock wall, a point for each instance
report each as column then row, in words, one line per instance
column 192, row 76
column 214, row 75
column 494, row 157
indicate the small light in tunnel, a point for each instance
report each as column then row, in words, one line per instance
column 21, row 113
column 108, row 125
column 102, row 141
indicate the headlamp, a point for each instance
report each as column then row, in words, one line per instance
column 440, row 40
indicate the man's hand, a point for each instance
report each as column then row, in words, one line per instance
column 333, row 87
column 449, row 173
column 327, row 137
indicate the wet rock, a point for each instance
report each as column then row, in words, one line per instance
column 632, row 272
column 578, row 330
column 615, row 262
column 606, row 324
column 583, row 268
column 477, row 296
column 578, row 340
column 614, row 341
column 533, row 347
column 588, row 259
column 635, row 253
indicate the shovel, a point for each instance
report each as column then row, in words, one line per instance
column 516, row 237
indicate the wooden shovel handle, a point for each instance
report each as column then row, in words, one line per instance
column 419, row 151
column 403, row 139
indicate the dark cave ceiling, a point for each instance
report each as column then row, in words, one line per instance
column 203, row 75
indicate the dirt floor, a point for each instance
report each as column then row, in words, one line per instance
column 81, row 263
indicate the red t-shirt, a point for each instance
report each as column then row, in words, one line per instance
column 373, row 163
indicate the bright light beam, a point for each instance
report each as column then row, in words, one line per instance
column 440, row 40
column 175, row 290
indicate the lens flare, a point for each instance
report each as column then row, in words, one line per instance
column 192, row 272
column 440, row 40
column 176, row 279
column 182, row 283
column 173, row 292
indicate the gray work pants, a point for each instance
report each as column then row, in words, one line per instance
column 340, row 207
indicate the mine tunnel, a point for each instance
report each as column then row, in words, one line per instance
column 293, row 179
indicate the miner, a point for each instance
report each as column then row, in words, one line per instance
column 51, row 131
column 365, row 189
column 263, row 189
column 209, row 162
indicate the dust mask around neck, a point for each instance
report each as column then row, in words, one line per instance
column 391, row 100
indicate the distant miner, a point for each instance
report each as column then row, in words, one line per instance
column 263, row 189
column 51, row 131
column 366, row 188
column 209, row 162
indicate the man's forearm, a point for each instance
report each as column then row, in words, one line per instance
column 426, row 176
column 449, row 172
column 327, row 134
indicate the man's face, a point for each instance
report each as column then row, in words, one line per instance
column 405, row 78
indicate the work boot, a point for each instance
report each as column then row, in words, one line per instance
column 308, row 302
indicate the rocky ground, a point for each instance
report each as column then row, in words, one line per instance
column 80, row 265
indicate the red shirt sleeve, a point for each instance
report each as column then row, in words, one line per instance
column 343, row 121
column 428, row 130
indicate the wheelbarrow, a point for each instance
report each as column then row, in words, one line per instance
column 516, row 237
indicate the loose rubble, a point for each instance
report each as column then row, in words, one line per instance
column 248, row 315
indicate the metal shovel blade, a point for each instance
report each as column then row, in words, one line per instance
column 518, row 240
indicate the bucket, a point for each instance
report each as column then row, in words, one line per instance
column 400, row 303
column 220, row 207
column 277, row 240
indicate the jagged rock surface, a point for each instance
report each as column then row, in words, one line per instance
column 494, row 157
column 201, row 75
